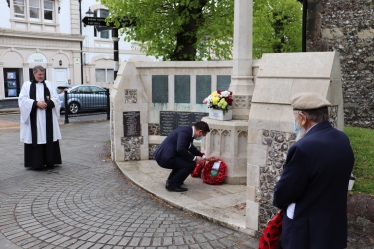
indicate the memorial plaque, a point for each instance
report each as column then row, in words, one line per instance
column 223, row 82
column 203, row 87
column 182, row 89
column 131, row 124
column 160, row 89
column 183, row 118
column 167, row 122
column 170, row 120
column 199, row 115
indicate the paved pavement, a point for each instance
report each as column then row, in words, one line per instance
column 88, row 203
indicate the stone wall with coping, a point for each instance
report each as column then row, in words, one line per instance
column 132, row 91
column 346, row 26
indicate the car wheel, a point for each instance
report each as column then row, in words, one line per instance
column 73, row 107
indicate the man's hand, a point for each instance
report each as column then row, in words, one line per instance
column 210, row 158
column 41, row 104
column 199, row 159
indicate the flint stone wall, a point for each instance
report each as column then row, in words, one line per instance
column 347, row 26
column 360, row 221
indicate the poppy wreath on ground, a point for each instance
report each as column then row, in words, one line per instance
column 272, row 233
column 210, row 178
column 199, row 167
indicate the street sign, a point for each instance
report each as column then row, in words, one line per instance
column 96, row 21
column 100, row 21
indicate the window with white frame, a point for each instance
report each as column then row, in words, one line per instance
column 104, row 75
column 48, row 10
column 19, row 8
column 105, row 34
column 34, row 10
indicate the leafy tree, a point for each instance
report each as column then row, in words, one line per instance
column 177, row 30
column 188, row 30
column 276, row 26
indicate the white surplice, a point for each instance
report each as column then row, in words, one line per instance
column 25, row 105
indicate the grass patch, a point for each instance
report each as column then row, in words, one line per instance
column 362, row 142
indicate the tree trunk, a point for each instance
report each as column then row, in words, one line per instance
column 185, row 49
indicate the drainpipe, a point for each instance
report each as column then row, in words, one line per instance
column 81, row 42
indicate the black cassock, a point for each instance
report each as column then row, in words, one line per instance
column 39, row 155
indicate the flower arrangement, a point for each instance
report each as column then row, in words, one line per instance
column 220, row 99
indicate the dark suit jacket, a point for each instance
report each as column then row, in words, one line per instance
column 315, row 177
column 179, row 143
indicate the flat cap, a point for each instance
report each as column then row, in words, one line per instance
column 308, row 101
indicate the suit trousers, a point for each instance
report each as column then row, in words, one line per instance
column 181, row 168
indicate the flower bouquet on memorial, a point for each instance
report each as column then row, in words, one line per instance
column 220, row 99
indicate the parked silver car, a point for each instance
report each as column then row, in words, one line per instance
column 83, row 97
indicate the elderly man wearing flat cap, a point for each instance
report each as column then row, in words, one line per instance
column 312, row 190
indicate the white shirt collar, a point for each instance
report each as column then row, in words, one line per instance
column 193, row 130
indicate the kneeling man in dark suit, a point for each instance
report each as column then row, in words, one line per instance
column 312, row 190
column 178, row 153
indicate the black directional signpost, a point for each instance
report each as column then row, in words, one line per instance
column 101, row 25
column 95, row 21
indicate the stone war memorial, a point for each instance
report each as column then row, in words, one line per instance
column 150, row 99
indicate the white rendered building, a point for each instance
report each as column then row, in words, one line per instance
column 50, row 33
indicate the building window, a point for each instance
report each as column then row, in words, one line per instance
column 104, row 75
column 38, row 10
column 48, row 10
column 99, row 32
column 34, row 9
column 19, row 8
column 13, row 80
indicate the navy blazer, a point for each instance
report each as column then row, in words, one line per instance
column 179, row 143
column 315, row 177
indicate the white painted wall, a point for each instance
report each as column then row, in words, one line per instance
column 4, row 15
column 64, row 17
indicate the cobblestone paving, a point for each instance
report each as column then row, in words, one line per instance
column 87, row 203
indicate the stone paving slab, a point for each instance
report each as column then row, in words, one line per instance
column 86, row 202
column 223, row 203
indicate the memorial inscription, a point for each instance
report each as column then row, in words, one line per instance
column 223, row 82
column 182, row 89
column 131, row 124
column 170, row 120
column 203, row 87
column 160, row 89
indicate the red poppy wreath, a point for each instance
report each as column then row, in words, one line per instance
column 199, row 167
column 212, row 176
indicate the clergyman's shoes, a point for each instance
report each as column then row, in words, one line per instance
column 176, row 189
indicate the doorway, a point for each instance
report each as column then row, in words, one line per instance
column 60, row 76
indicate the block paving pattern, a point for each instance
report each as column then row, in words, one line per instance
column 91, row 205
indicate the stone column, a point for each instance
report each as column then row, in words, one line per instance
column 242, row 80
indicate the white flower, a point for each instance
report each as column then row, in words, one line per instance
column 225, row 94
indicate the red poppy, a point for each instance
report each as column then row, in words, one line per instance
column 272, row 233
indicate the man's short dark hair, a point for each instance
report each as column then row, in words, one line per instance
column 317, row 115
column 201, row 125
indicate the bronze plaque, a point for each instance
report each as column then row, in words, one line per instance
column 131, row 124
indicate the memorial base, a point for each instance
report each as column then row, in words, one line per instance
column 228, row 140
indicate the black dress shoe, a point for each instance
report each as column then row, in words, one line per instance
column 176, row 189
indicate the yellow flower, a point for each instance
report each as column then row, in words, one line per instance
column 214, row 94
column 215, row 100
